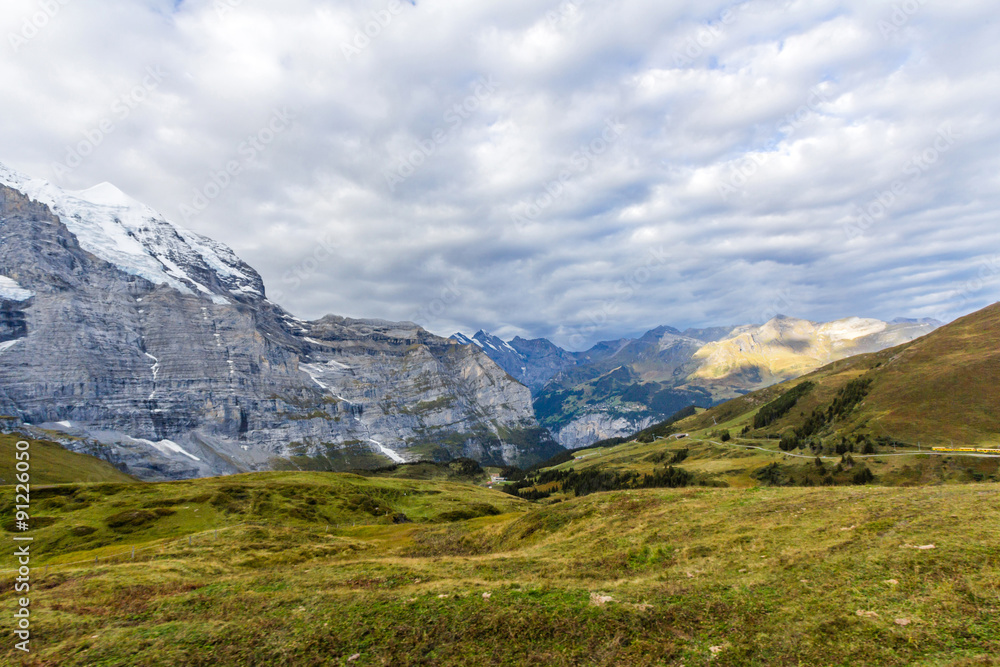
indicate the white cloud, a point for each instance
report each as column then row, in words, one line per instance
column 806, row 110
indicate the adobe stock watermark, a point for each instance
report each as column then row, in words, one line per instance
column 372, row 29
column 119, row 111
column 625, row 289
column 453, row 118
column 780, row 303
column 224, row 7
column 449, row 295
column 22, row 510
column 248, row 151
column 293, row 279
column 865, row 217
column 566, row 10
column 901, row 14
column 695, row 45
column 580, row 162
column 33, row 25
column 987, row 273
column 745, row 169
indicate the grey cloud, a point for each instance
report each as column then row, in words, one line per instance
column 818, row 103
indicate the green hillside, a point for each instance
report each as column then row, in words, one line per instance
column 869, row 419
column 52, row 464
column 70, row 522
column 939, row 390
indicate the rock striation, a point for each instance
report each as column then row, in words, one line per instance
column 125, row 336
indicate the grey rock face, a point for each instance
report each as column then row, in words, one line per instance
column 588, row 428
column 199, row 374
column 531, row 362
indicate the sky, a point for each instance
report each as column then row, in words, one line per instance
column 574, row 169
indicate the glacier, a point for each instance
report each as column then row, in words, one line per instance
column 116, row 228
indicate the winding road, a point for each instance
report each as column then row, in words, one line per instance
column 856, row 456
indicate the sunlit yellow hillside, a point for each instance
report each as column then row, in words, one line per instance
column 785, row 347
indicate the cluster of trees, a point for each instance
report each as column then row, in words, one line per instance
column 779, row 407
column 593, row 480
column 669, row 457
column 847, row 398
column 667, row 478
column 777, row 475
column 534, row 494
column 861, row 443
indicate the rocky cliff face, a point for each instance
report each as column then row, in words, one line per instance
column 587, row 428
column 531, row 362
column 157, row 349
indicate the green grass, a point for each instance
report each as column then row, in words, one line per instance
column 772, row 576
column 736, row 464
column 73, row 522
column 52, row 464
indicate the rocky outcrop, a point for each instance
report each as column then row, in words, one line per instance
column 588, row 428
column 157, row 349
column 531, row 362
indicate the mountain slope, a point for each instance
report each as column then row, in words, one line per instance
column 787, row 347
column 941, row 389
column 158, row 349
column 698, row 576
column 53, row 464
column 531, row 362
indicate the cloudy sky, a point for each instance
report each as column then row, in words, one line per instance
column 578, row 169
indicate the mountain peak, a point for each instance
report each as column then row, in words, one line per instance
column 122, row 231
column 106, row 194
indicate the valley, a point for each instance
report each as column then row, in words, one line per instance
column 622, row 386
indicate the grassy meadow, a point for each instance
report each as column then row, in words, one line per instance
column 337, row 569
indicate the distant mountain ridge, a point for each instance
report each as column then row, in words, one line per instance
column 620, row 387
column 531, row 362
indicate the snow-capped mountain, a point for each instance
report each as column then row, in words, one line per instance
column 499, row 351
column 129, row 337
column 531, row 362
column 132, row 236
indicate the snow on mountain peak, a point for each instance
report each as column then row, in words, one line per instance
column 122, row 231
column 852, row 328
column 106, row 194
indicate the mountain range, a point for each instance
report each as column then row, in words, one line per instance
column 128, row 337
column 125, row 336
column 622, row 386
